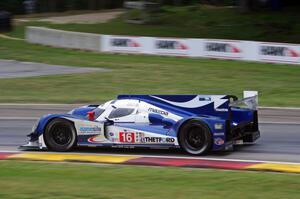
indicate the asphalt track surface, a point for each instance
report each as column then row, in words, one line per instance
column 13, row 69
column 280, row 138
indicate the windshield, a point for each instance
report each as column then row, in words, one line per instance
column 120, row 112
column 98, row 112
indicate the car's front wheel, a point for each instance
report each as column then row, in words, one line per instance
column 60, row 135
column 195, row 137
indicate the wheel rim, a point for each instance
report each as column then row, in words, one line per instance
column 61, row 135
column 195, row 138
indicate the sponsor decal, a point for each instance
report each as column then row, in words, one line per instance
column 219, row 141
column 95, row 139
column 89, row 129
column 218, row 134
column 159, row 140
column 139, row 137
column 123, row 146
column 204, row 98
column 218, row 126
column 112, row 137
column 222, row 47
column 170, row 45
column 153, row 110
column 124, row 42
column 282, row 51
column 111, row 134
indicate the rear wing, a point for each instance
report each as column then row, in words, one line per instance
column 250, row 101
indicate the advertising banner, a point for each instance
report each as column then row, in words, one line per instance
column 225, row 49
column 279, row 53
column 211, row 48
column 171, row 46
column 123, row 44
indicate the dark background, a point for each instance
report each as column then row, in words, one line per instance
column 17, row 6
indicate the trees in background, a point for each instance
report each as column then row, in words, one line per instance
column 248, row 5
column 17, row 6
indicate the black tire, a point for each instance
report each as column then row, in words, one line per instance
column 195, row 137
column 60, row 135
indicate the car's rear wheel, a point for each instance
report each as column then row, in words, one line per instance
column 60, row 135
column 195, row 137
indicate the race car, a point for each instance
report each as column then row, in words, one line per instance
column 195, row 123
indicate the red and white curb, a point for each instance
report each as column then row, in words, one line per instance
column 155, row 161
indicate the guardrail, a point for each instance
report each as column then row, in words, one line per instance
column 63, row 39
column 210, row 48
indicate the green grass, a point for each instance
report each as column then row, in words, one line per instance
column 199, row 22
column 68, row 181
column 278, row 85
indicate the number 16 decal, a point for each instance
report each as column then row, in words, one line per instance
column 126, row 137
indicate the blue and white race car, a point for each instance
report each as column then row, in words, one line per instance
column 195, row 123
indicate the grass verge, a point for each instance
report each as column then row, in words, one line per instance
column 279, row 85
column 44, row 180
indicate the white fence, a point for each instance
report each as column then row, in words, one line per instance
column 210, row 48
column 63, row 39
